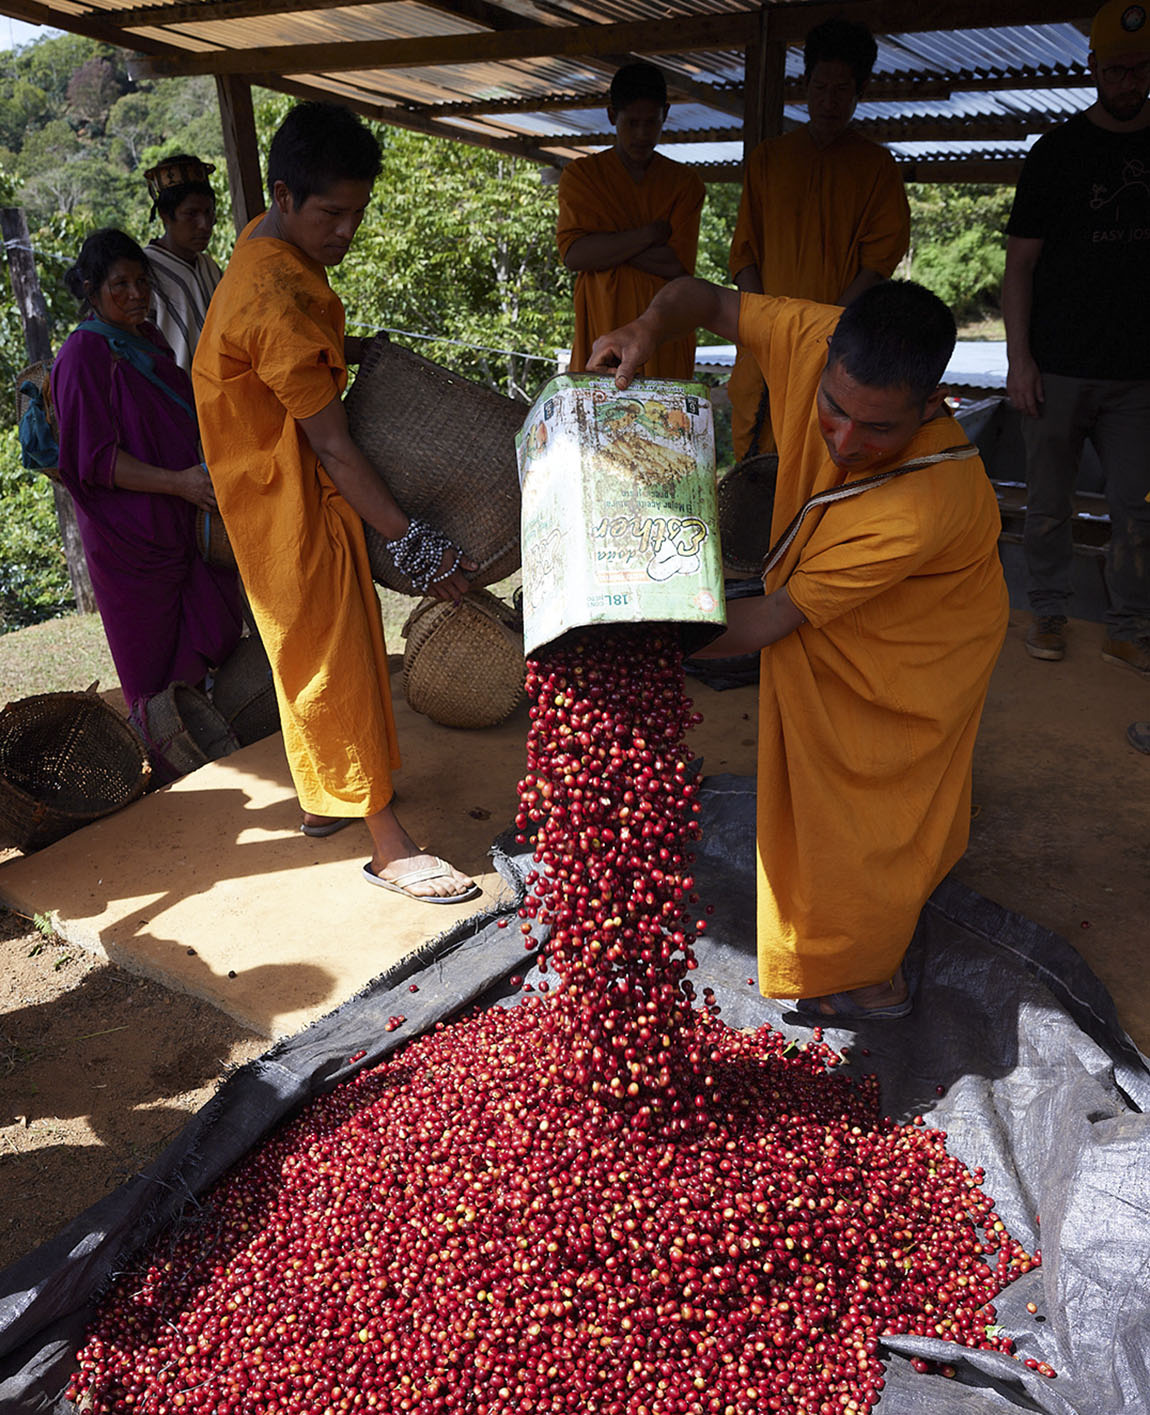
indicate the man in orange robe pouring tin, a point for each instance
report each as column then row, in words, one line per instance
column 883, row 615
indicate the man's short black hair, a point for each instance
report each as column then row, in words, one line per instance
column 636, row 81
column 895, row 335
column 846, row 41
column 317, row 145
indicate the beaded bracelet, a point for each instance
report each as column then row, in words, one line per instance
column 419, row 552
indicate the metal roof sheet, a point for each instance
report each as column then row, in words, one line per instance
column 983, row 90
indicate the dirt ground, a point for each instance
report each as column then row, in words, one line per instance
column 99, row 1069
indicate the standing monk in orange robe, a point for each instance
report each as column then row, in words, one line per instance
column 629, row 222
column 294, row 491
column 823, row 214
column 884, row 612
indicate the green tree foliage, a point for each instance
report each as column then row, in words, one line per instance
column 33, row 574
column 459, row 245
column 457, row 254
column 718, row 222
column 76, row 132
column 958, row 243
column 92, row 90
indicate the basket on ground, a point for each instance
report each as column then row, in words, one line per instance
column 463, row 665
column 746, row 503
column 446, row 449
column 66, row 759
column 183, row 730
column 245, row 694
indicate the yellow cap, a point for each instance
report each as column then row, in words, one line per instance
column 1120, row 28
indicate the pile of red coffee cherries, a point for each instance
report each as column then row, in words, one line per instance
column 598, row 1199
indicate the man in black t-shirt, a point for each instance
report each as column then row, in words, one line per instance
column 1075, row 299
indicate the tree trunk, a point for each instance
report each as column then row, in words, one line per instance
column 34, row 318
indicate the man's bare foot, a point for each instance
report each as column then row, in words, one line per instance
column 399, row 863
column 424, row 877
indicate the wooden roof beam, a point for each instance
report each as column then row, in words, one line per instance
column 732, row 30
column 211, row 11
column 991, row 128
column 996, row 171
column 96, row 24
column 729, row 98
column 491, row 17
column 532, row 151
column 574, row 41
column 894, row 17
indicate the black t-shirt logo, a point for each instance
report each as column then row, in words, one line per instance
column 1135, row 182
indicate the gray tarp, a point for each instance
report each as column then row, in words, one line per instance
column 1041, row 1087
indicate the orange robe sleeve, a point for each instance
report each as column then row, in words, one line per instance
column 270, row 354
column 868, row 712
column 597, row 194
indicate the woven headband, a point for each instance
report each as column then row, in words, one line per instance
column 176, row 174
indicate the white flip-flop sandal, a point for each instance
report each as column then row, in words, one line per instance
column 401, row 884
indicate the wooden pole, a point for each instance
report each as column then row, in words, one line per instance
column 33, row 313
column 765, row 74
column 238, row 122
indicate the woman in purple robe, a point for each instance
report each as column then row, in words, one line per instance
column 129, row 455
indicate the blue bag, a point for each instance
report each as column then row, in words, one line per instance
column 39, row 449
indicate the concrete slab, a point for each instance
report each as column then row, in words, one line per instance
column 209, row 888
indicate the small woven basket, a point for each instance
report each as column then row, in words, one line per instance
column 212, row 539
column 66, row 759
column 183, row 729
column 37, row 374
column 746, row 502
column 463, row 665
column 446, row 449
column 245, row 693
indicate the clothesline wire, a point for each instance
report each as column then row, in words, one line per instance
column 375, row 329
column 455, row 343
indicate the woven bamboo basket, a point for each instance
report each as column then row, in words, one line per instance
column 245, row 694
column 66, row 759
column 746, row 502
column 212, row 539
column 37, row 373
column 446, row 449
column 183, row 729
column 463, row 665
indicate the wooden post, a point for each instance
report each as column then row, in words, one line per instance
column 765, row 68
column 34, row 318
column 239, row 124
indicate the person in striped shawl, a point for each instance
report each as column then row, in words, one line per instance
column 183, row 274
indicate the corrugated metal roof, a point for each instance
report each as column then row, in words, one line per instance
column 972, row 92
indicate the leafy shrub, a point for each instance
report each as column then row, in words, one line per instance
column 958, row 243
column 34, row 583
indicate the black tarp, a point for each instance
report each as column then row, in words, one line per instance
column 1040, row 1086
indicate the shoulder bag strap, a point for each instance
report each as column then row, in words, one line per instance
column 140, row 354
column 856, row 488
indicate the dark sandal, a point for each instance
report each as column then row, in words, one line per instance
column 847, row 1011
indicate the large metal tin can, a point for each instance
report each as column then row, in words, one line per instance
column 619, row 518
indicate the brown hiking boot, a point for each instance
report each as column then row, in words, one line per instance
column 1129, row 653
column 1046, row 638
